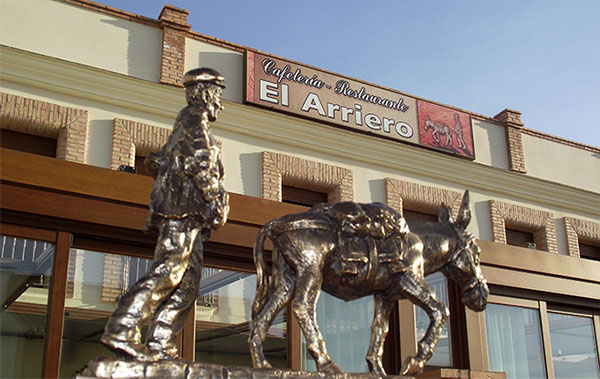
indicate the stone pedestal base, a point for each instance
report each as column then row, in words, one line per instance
column 453, row 373
column 102, row 367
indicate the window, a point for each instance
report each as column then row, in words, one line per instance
column 411, row 216
column 519, row 238
column 514, row 341
column 509, row 221
column 574, row 352
column 530, row 338
column 25, row 269
column 222, row 326
column 140, row 167
column 301, row 196
column 346, row 329
column 583, row 238
column 28, row 143
column 442, row 355
column 588, row 251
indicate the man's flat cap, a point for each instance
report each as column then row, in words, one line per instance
column 204, row 75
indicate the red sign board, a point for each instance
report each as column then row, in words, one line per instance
column 446, row 129
column 319, row 95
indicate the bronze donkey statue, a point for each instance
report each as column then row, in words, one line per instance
column 352, row 250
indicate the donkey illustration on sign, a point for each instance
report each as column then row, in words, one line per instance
column 312, row 250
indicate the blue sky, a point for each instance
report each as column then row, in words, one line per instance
column 540, row 57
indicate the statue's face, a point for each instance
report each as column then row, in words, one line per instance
column 214, row 103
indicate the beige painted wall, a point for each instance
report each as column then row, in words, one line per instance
column 77, row 34
column 562, row 163
column 228, row 62
column 490, row 144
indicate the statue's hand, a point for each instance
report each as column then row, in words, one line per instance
column 412, row 366
column 154, row 161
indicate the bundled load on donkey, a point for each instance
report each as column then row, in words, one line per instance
column 352, row 250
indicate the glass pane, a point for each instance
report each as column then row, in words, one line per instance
column 346, row 328
column 223, row 314
column 25, row 273
column 442, row 355
column 573, row 346
column 96, row 282
column 514, row 341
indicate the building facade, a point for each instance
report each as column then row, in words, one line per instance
column 85, row 99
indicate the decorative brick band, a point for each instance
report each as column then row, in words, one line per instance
column 580, row 230
column 67, row 125
column 514, row 144
column 279, row 169
column 417, row 197
column 541, row 223
column 132, row 138
column 173, row 22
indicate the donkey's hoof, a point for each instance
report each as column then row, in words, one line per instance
column 331, row 369
column 412, row 366
column 262, row 363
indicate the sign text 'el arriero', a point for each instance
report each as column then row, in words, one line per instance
column 322, row 96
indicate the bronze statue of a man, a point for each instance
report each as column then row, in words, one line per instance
column 187, row 201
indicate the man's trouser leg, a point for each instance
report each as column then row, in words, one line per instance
column 172, row 255
column 171, row 315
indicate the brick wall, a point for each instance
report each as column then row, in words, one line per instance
column 539, row 222
column 71, row 269
column 279, row 169
column 173, row 22
column 113, row 277
column 67, row 125
column 417, row 197
column 514, row 144
column 578, row 230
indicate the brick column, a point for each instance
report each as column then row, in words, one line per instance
column 514, row 144
column 173, row 22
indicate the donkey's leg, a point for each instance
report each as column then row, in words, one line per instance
column 308, row 289
column 421, row 294
column 280, row 292
column 379, row 330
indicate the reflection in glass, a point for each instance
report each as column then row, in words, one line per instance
column 442, row 355
column 346, row 328
column 574, row 353
column 223, row 314
column 514, row 341
column 25, row 273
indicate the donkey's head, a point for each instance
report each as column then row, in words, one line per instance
column 463, row 261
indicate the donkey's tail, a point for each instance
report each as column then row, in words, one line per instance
column 262, row 279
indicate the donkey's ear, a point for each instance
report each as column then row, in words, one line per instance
column 444, row 215
column 464, row 213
